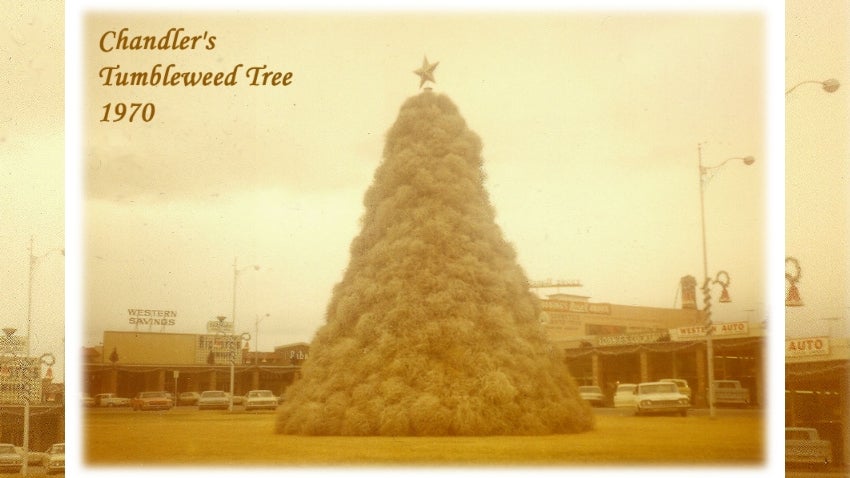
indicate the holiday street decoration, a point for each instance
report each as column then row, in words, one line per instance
column 792, row 296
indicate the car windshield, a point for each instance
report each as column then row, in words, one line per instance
column 213, row 394
column 5, row 449
column 796, row 434
column 260, row 393
column 659, row 388
column 152, row 394
column 625, row 389
column 57, row 449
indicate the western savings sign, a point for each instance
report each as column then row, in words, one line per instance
column 151, row 317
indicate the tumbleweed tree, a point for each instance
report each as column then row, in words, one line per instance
column 433, row 329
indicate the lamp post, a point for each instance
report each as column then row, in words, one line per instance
column 257, row 321
column 236, row 272
column 33, row 259
column 233, row 341
column 829, row 85
column 709, row 345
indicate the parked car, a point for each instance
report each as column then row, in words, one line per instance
column 260, row 399
column 87, row 400
column 730, row 392
column 237, row 399
column 10, row 459
column 34, row 458
column 592, row 394
column 211, row 399
column 54, row 458
column 684, row 389
column 110, row 400
column 624, row 396
column 188, row 398
column 804, row 446
column 151, row 401
column 660, row 397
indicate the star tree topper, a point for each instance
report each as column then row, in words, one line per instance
column 426, row 72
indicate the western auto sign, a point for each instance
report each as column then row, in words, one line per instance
column 719, row 329
column 807, row 347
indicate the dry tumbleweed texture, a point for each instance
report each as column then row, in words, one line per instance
column 432, row 330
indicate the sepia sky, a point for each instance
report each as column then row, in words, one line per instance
column 32, row 173
column 817, row 167
column 590, row 123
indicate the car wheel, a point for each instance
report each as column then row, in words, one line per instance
column 684, row 413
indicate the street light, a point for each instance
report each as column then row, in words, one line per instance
column 236, row 272
column 33, row 260
column 257, row 321
column 709, row 345
column 829, row 85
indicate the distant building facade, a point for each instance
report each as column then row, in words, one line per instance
column 131, row 362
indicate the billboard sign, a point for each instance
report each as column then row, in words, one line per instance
column 219, row 327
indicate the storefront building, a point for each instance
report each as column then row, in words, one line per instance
column 816, row 387
column 607, row 344
column 132, row 362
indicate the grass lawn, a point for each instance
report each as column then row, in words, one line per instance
column 187, row 437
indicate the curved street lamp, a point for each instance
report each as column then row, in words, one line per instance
column 236, row 272
column 33, row 259
column 709, row 344
column 829, row 85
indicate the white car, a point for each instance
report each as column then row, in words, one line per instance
column 624, row 396
column 660, row 397
column 54, row 458
column 260, row 399
column 681, row 383
column 10, row 460
column 213, row 399
column 592, row 394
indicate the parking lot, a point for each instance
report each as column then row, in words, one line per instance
column 181, row 435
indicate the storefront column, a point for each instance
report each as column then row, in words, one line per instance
column 113, row 380
column 594, row 369
column 213, row 385
column 699, row 395
column 644, row 366
column 255, row 379
column 160, row 380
